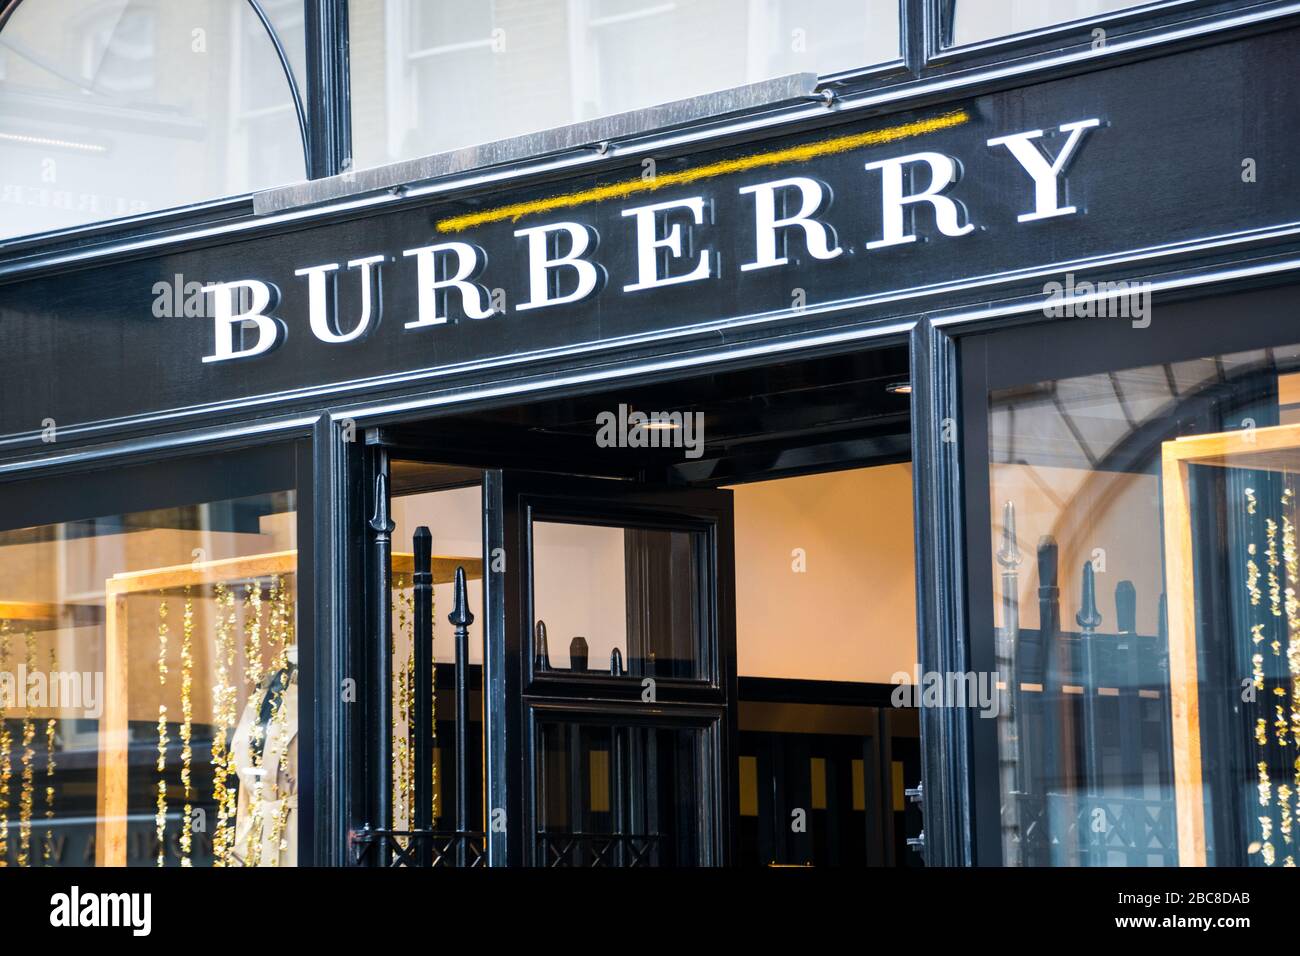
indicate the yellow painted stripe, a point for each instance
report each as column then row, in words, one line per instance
column 776, row 157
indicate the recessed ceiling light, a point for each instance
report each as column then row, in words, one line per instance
column 899, row 388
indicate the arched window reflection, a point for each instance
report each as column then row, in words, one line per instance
column 1132, row 735
column 112, row 108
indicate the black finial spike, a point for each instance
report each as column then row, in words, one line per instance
column 541, row 653
column 1009, row 553
column 616, row 662
column 381, row 522
column 1126, row 609
column 461, row 615
column 422, row 535
column 578, row 654
column 461, row 618
column 1088, row 617
column 1047, row 557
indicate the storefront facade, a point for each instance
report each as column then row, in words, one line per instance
column 1074, row 248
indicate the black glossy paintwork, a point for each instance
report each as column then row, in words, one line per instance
column 85, row 347
column 80, row 344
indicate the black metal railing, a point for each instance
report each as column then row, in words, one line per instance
column 377, row 843
column 1109, row 831
column 421, row 848
column 596, row 849
column 1068, row 699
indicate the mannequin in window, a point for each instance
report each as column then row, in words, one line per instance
column 265, row 749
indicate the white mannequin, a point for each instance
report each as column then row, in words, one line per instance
column 266, row 821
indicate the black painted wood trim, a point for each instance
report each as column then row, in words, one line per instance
column 333, row 577
column 329, row 97
column 941, row 612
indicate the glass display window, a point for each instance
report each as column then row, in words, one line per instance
column 149, row 666
column 1138, row 595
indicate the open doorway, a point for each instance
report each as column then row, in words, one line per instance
column 693, row 601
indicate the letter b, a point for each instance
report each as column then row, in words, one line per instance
column 270, row 330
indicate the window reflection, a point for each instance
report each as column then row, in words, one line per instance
column 1138, row 590
column 114, row 108
column 432, row 77
column 616, row 600
column 149, row 688
column 610, row 795
column 972, row 22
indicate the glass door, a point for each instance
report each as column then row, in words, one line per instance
column 610, row 672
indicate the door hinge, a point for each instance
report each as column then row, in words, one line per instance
column 917, row 795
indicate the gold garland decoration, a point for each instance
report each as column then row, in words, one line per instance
column 1252, row 577
column 51, row 727
column 282, row 619
column 160, row 817
column 1263, row 785
column 224, row 702
column 1285, row 722
column 403, row 686
column 252, row 621
column 433, row 706
column 6, row 748
column 1281, row 724
column 404, row 703
column 283, row 612
column 253, row 633
column 26, row 799
column 1274, row 586
column 187, row 729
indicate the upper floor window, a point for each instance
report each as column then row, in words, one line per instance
column 112, row 108
column 974, row 22
column 433, row 77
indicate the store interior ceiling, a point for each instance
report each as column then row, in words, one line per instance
column 816, row 415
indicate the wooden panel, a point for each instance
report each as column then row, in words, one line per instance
column 110, row 828
column 1276, row 448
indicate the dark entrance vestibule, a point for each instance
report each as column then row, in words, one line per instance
column 693, row 646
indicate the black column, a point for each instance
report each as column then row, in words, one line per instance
column 328, row 83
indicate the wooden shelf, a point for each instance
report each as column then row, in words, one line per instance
column 46, row 616
column 254, row 567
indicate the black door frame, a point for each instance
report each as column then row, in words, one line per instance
column 518, row 694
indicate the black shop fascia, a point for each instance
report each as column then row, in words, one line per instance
column 828, row 208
